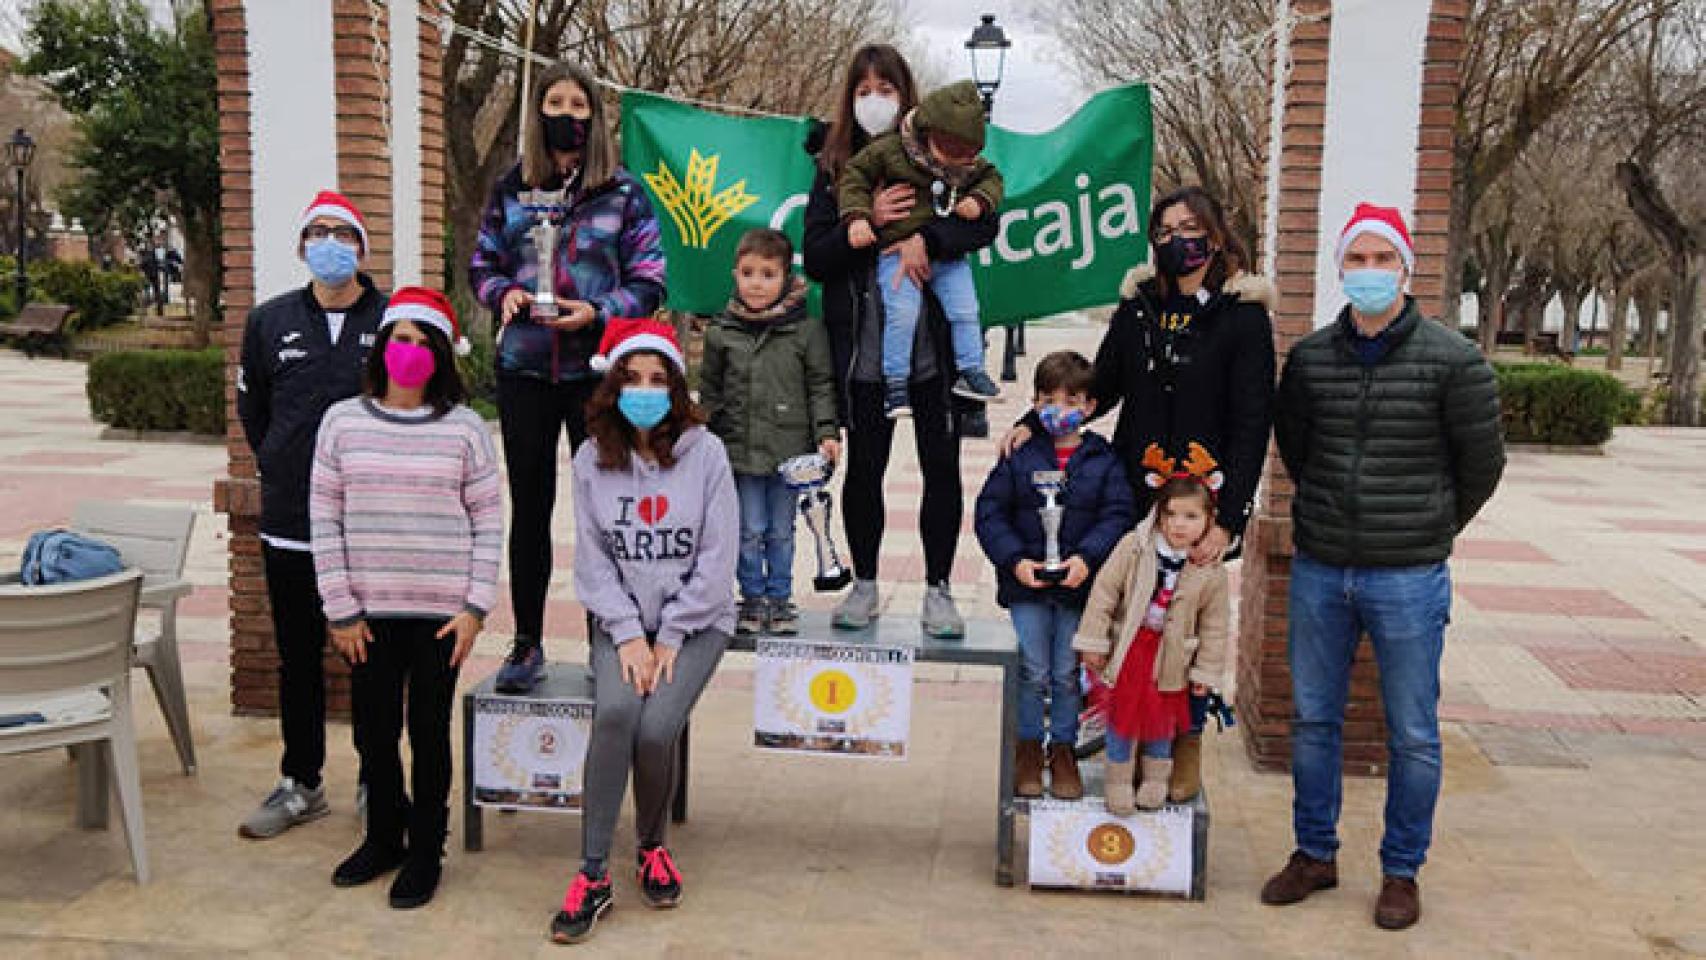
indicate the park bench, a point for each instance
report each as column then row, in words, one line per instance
column 1547, row 345
column 40, row 325
column 1508, row 338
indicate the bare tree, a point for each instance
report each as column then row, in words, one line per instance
column 1664, row 184
column 1209, row 90
column 1524, row 62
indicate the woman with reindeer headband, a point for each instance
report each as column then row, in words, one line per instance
column 1156, row 625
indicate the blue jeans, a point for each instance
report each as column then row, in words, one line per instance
column 1120, row 749
column 951, row 281
column 1404, row 610
column 1049, row 670
column 766, row 564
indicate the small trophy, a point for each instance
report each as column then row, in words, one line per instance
column 547, row 209
column 808, row 475
column 1048, row 484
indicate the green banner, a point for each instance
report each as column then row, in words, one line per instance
column 1072, row 224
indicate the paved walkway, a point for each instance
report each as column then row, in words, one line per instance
column 1573, row 821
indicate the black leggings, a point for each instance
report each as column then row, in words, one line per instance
column 870, row 437
column 532, row 415
column 405, row 655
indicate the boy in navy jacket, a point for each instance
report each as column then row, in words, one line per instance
column 1097, row 511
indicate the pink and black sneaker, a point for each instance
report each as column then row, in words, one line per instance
column 585, row 903
column 660, row 881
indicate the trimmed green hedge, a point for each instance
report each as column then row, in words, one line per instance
column 159, row 390
column 1547, row 403
column 100, row 298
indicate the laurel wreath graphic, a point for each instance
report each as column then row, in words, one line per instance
column 870, row 710
column 1068, row 834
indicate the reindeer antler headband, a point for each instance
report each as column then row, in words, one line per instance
column 1198, row 465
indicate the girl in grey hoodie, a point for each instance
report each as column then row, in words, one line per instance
column 657, row 532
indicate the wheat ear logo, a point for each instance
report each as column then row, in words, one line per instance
column 698, row 213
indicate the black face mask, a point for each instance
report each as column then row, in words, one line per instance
column 564, row 133
column 1182, row 255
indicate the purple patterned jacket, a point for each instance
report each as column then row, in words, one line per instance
column 610, row 254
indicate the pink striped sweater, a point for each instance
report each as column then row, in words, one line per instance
column 405, row 513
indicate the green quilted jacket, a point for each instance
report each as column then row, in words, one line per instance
column 1390, row 458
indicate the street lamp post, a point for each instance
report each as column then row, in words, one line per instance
column 20, row 150
column 988, row 48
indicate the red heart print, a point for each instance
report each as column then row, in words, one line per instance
column 653, row 509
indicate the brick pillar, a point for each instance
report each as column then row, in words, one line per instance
column 363, row 163
column 238, row 495
column 432, row 147
column 362, row 62
column 1442, row 71
column 1292, row 245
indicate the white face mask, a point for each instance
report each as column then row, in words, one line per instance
column 876, row 113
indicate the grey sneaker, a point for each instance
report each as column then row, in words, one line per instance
column 288, row 805
column 783, row 619
column 858, row 608
column 941, row 618
column 750, row 621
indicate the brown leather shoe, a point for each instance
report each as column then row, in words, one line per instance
column 1400, row 903
column 1028, row 769
column 1186, row 781
column 1063, row 779
column 1302, row 876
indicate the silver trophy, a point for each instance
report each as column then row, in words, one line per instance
column 808, row 476
column 547, row 209
column 1048, row 484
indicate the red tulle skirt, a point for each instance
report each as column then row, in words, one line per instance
column 1139, row 712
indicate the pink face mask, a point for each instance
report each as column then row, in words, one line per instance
column 408, row 365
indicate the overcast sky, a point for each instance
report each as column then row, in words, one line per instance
column 1037, row 90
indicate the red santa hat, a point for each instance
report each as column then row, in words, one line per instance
column 1384, row 222
column 330, row 203
column 426, row 307
column 625, row 335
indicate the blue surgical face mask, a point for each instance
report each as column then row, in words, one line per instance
column 1371, row 292
column 332, row 262
column 645, row 407
column 1060, row 421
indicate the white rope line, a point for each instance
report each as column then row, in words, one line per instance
column 1243, row 47
column 382, row 68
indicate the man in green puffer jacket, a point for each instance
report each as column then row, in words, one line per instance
column 1388, row 424
column 767, row 384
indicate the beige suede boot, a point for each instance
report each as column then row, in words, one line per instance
column 1152, row 795
column 1118, row 788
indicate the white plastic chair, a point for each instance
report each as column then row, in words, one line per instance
column 65, row 653
column 155, row 540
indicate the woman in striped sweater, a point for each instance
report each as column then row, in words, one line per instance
column 407, row 524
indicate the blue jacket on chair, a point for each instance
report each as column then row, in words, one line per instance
column 1099, row 510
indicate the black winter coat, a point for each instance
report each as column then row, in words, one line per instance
column 1217, row 391
column 848, row 277
column 1098, row 511
column 291, row 372
column 1391, row 459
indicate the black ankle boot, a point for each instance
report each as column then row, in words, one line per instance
column 370, row 861
column 417, row 881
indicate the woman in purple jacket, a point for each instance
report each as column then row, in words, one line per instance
column 608, row 263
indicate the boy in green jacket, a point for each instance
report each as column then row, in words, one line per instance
column 936, row 149
column 767, row 385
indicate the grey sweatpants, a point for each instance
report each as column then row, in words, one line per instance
column 629, row 730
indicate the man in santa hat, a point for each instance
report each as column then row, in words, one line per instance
column 302, row 352
column 1389, row 427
